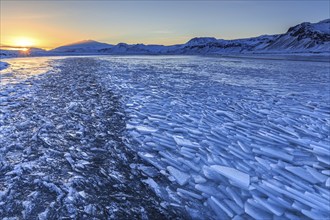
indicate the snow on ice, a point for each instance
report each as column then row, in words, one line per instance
column 241, row 138
column 61, row 149
column 3, row 65
column 217, row 138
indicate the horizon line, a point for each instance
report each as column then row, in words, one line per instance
column 158, row 44
column 121, row 42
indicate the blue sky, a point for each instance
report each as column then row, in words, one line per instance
column 163, row 22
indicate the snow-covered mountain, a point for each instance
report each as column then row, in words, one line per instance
column 123, row 48
column 9, row 53
column 87, row 46
column 219, row 46
column 201, row 41
column 302, row 38
column 305, row 37
column 22, row 53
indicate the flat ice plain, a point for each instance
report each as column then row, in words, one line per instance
column 217, row 138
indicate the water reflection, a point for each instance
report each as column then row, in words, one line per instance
column 21, row 69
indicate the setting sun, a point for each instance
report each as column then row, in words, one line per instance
column 24, row 42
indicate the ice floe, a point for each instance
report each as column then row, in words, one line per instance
column 241, row 138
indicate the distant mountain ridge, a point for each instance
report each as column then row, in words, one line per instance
column 303, row 38
column 83, row 46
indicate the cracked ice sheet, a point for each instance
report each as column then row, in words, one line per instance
column 61, row 149
column 266, row 120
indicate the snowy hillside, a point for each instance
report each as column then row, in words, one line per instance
column 82, row 47
column 23, row 53
column 9, row 53
column 201, row 41
column 123, row 48
column 215, row 46
column 303, row 38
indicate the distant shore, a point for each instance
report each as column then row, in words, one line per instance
column 308, row 57
column 290, row 57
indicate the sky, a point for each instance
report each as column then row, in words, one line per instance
column 48, row 24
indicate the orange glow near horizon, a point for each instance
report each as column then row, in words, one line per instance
column 50, row 24
column 23, row 42
column 20, row 43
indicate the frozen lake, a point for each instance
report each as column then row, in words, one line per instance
column 217, row 138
